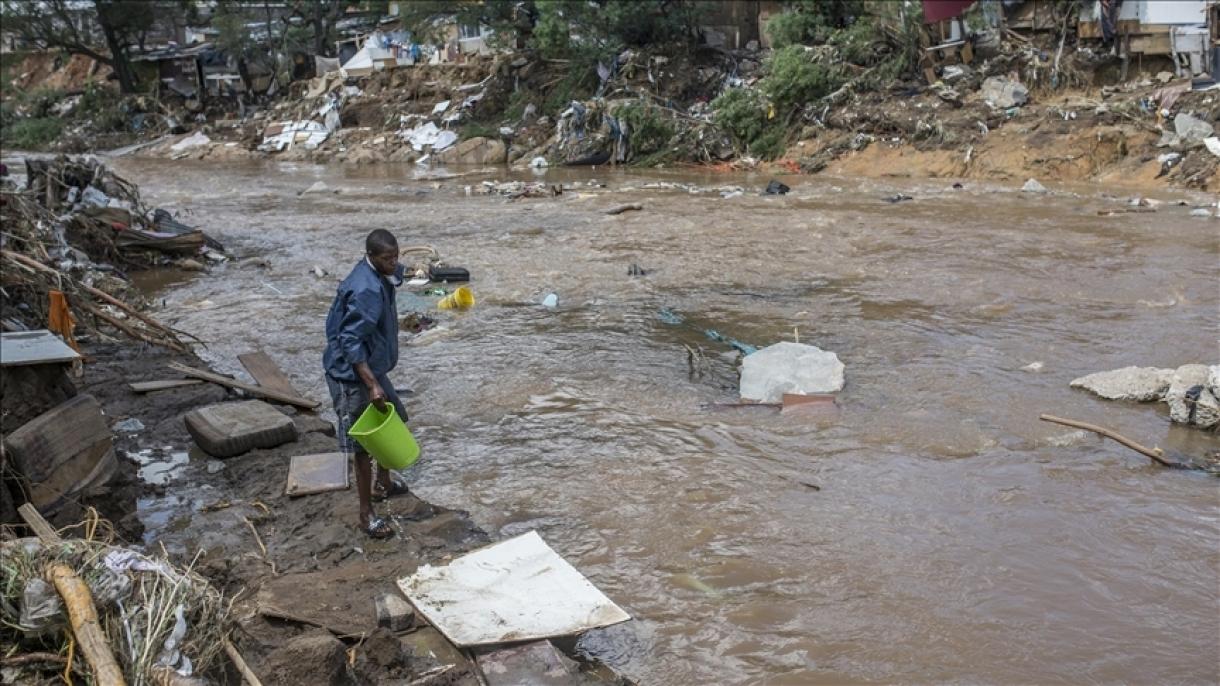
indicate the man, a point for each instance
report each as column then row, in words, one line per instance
column 361, row 349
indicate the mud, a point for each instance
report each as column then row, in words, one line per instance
column 171, row 496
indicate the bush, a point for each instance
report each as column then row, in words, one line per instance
column 32, row 134
column 741, row 113
column 647, row 130
column 793, row 79
column 793, row 28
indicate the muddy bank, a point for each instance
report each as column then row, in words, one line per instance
column 318, row 566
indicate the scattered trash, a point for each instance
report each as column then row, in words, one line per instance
column 448, row 274
column 538, row 163
column 1004, row 94
column 636, row 270
column 514, row 590
column 776, row 188
column 460, row 299
column 1032, row 186
column 428, row 135
column 786, row 367
column 894, row 199
column 1201, row 212
column 284, row 135
column 319, row 272
column 1033, row 367
column 317, row 187
column 129, row 426
column 550, row 300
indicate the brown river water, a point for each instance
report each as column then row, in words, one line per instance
column 955, row 538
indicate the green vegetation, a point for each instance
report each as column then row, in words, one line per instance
column 743, row 115
column 476, row 129
column 648, row 131
column 32, row 134
column 795, row 78
column 793, row 28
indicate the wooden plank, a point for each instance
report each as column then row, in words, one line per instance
column 164, row 385
column 266, row 372
column 256, row 391
column 40, row 526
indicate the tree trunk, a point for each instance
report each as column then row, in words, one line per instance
column 118, row 56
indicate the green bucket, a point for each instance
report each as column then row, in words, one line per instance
column 385, row 437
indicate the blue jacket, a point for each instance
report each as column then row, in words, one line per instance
column 362, row 325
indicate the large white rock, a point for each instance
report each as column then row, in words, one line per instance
column 785, row 367
column 1129, row 383
column 1213, row 379
column 1186, row 377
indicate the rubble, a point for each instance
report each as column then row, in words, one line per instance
column 1003, row 93
column 1141, row 384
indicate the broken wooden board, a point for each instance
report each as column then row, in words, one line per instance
column 164, row 385
column 63, row 452
column 256, row 391
column 309, row 474
column 267, row 373
column 34, row 347
column 514, row 590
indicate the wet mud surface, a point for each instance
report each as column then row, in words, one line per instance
column 954, row 538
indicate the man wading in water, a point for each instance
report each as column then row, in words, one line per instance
column 361, row 348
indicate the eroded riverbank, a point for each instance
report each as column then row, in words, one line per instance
column 954, row 538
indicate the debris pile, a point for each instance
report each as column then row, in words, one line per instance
column 1192, row 391
column 74, row 230
column 152, row 622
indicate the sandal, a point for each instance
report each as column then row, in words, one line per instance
column 396, row 488
column 379, row 528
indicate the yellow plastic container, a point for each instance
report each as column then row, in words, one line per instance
column 385, row 437
column 460, row 299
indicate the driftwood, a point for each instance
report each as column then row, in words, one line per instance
column 255, row 391
column 85, row 626
column 240, row 663
column 1153, row 454
column 42, row 529
column 150, row 386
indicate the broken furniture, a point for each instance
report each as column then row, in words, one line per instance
column 58, row 444
column 230, row 429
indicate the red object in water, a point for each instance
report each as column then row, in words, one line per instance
column 939, row 10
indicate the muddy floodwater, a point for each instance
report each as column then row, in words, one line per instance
column 955, row 538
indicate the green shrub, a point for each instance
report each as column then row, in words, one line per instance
column 794, row 79
column 741, row 113
column 794, row 28
column 770, row 144
column 647, row 129
column 32, row 134
column 476, row 129
column 856, row 42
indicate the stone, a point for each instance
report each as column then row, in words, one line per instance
column 1191, row 130
column 314, row 657
column 1185, row 378
column 319, row 187
column 1142, row 384
column 1213, row 379
column 787, row 367
column 1004, row 93
column 475, row 151
column 1032, row 186
column 1207, row 410
column 393, row 612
